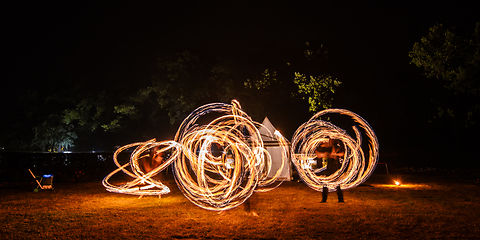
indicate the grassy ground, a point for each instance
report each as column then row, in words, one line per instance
column 420, row 210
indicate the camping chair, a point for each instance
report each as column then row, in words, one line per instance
column 44, row 182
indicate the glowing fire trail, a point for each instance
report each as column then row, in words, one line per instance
column 143, row 183
column 225, row 181
column 224, row 178
column 355, row 166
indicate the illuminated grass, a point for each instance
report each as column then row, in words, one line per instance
column 291, row 211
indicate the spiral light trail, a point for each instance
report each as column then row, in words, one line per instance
column 356, row 165
column 224, row 181
column 219, row 158
column 143, row 183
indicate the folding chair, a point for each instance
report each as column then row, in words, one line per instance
column 44, row 182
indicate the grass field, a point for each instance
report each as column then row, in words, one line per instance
column 420, row 209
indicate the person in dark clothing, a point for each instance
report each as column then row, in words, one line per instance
column 329, row 155
column 153, row 160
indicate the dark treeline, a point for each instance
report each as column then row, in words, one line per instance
column 94, row 77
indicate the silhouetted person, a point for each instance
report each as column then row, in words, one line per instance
column 152, row 160
column 328, row 155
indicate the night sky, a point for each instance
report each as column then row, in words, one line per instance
column 49, row 46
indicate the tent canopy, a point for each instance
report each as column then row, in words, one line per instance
column 271, row 145
column 266, row 131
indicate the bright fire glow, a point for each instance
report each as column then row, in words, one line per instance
column 355, row 165
column 219, row 163
column 223, row 181
column 397, row 183
column 403, row 186
column 143, row 182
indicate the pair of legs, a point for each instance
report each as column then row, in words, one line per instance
column 325, row 194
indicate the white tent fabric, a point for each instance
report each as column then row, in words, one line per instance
column 267, row 130
column 272, row 146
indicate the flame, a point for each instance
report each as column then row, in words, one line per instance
column 221, row 182
column 356, row 164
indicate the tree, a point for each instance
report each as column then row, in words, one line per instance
column 453, row 61
column 60, row 118
column 183, row 82
column 53, row 135
column 311, row 84
column 93, row 113
column 41, row 126
column 319, row 90
column 180, row 83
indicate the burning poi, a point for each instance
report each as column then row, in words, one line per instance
column 219, row 158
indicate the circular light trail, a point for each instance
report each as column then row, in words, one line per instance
column 225, row 180
column 357, row 160
column 219, row 158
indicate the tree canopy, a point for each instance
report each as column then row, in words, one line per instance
column 453, row 61
column 179, row 83
column 305, row 75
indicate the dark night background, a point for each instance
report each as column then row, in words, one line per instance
column 55, row 47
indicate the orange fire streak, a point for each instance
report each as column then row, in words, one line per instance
column 226, row 178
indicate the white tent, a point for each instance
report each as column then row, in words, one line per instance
column 271, row 144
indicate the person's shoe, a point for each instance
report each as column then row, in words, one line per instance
column 324, row 194
column 340, row 195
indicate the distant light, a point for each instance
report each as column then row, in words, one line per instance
column 47, row 175
column 67, row 151
column 397, row 183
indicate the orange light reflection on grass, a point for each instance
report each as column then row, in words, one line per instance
column 403, row 186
